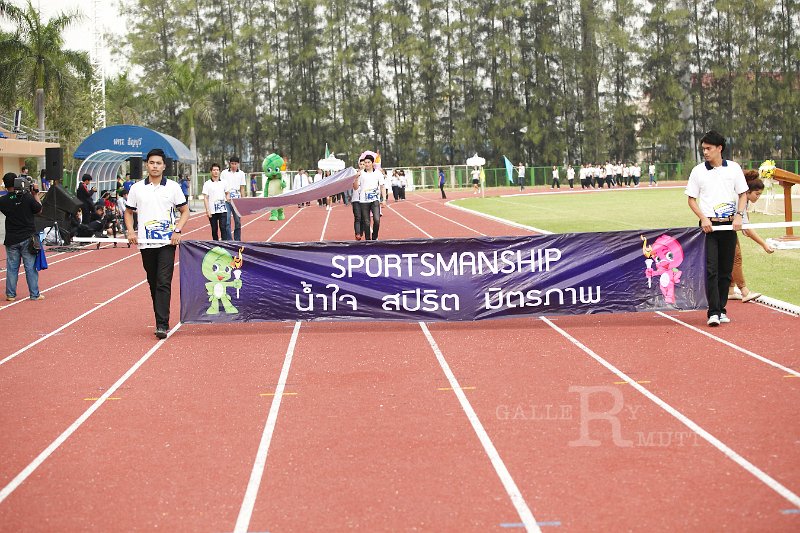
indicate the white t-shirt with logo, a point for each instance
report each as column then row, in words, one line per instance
column 717, row 189
column 215, row 192
column 155, row 206
column 371, row 186
column 233, row 181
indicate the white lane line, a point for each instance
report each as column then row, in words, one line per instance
column 512, row 490
column 734, row 346
column 251, row 494
column 65, row 326
column 76, row 278
column 325, row 226
column 90, row 311
column 90, row 272
column 498, row 219
column 260, row 463
column 47, row 452
column 449, row 220
column 51, row 263
column 420, row 229
column 708, row 437
column 281, row 227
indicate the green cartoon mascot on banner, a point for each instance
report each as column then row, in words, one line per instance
column 272, row 166
column 218, row 268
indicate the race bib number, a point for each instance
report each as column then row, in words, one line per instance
column 372, row 195
column 235, row 194
column 158, row 230
column 219, row 206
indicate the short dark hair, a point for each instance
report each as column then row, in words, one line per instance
column 370, row 157
column 714, row 138
column 86, row 177
column 24, row 169
column 8, row 179
column 214, row 165
column 156, row 151
column 233, row 159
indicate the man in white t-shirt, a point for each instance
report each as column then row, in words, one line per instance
column 155, row 199
column 215, row 198
column 371, row 184
column 236, row 183
column 717, row 192
column 570, row 176
column 521, row 176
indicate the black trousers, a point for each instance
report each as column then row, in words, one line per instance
column 441, row 188
column 219, row 225
column 357, row 217
column 159, row 264
column 720, row 249
column 367, row 208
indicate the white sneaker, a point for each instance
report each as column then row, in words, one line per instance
column 723, row 319
column 713, row 321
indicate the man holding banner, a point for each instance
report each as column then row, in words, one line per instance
column 717, row 192
column 372, row 190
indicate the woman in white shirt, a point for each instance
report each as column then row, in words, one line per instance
column 215, row 197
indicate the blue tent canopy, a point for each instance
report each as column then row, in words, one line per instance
column 135, row 140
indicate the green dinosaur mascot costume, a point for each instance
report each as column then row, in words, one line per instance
column 272, row 170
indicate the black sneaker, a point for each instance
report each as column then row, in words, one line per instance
column 161, row 333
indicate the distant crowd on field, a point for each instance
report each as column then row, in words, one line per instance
column 611, row 174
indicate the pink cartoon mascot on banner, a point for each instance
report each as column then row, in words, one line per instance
column 667, row 254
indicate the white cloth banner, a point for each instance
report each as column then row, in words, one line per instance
column 333, row 184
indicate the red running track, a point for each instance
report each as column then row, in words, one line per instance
column 388, row 426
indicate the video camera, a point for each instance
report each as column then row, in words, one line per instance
column 23, row 184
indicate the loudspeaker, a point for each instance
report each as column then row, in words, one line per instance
column 170, row 167
column 136, row 168
column 59, row 200
column 54, row 163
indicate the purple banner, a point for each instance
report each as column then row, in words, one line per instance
column 443, row 279
column 333, row 184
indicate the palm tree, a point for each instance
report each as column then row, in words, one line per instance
column 34, row 57
column 190, row 90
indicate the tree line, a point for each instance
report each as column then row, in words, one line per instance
column 434, row 81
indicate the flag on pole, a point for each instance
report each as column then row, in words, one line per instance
column 327, row 152
column 509, row 170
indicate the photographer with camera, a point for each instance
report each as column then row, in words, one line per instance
column 22, row 242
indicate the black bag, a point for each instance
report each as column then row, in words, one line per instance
column 34, row 245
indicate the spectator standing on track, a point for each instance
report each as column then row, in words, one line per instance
column 215, row 198
column 521, row 176
column 717, row 196
column 442, row 181
column 476, row 180
column 404, row 182
column 570, row 176
column 300, row 180
column 555, row 183
column 253, row 185
column 754, row 189
column 651, row 170
column 19, row 209
column 84, row 194
column 236, row 182
column 371, row 184
column 155, row 199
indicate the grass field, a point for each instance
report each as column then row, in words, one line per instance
column 776, row 275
